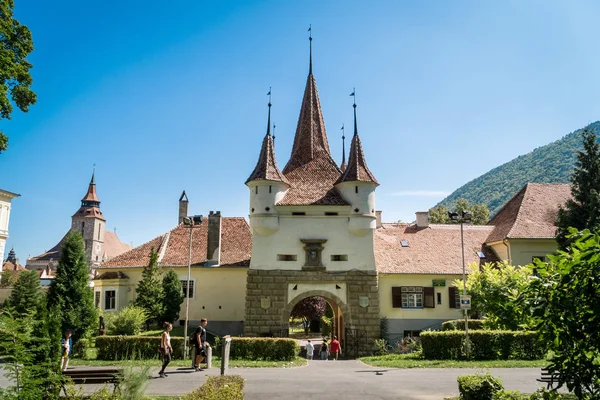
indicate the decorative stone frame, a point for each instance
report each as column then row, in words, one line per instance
column 313, row 249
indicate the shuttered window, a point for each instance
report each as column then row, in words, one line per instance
column 429, row 297
column 453, row 297
column 396, row 297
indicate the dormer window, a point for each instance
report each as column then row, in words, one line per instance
column 355, row 189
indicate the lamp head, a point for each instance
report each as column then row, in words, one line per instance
column 193, row 220
column 466, row 216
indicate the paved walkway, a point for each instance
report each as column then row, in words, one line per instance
column 347, row 379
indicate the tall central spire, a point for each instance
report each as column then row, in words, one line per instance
column 310, row 141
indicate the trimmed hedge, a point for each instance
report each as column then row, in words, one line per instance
column 271, row 349
column 459, row 324
column 485, row 345
column 133, row 347
column 226, row 387
column 478, row 386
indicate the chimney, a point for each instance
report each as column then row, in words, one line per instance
column 422, row 219
column 183, row 207
column 213, row 241
column 378, row 224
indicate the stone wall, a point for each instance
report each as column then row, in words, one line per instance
column 268, row 306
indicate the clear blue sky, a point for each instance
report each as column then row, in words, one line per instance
column 166, row 96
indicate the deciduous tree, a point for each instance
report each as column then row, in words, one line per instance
column 15, row 80
column 480, row 215
column 583, row 210
column 567, row 311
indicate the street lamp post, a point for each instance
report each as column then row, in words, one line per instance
column 191, row 221
column 465, row 217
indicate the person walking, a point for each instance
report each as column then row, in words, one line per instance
column 324, row 350
column 166, row 349
column 310, row 349
column 198, row 347
column 335, row 348
column 194, row 341
column 203, row 343
column 66, row 349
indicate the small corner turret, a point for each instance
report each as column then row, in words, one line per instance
column 357, row 185
column 267, row 185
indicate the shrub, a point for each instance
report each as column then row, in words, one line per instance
column 382, row 347
column 409, row 345
column 485, row 345
column 133, row 347
column 545, row 394
column 80, row 348
column 227, row 387
column 478, row 386
column 508, row 395
column 273, row 349
column 459, row 324
column 127, row 321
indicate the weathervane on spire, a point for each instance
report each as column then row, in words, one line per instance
column 310, row 40
column 269, row 119
column 343, row 145
column 353, row 94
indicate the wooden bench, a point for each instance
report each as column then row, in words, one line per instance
column 551, row 378
column 82, row 376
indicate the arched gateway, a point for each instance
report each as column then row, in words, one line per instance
column 312, row 229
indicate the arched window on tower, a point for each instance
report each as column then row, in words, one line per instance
column 355, row 189
column 99, row 230
column 82, row 226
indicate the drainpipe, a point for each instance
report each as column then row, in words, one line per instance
column 505, row 242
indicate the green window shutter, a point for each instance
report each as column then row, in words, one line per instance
column 428, row 297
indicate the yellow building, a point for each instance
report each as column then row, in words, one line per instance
column 524, row 228
column 220, row 256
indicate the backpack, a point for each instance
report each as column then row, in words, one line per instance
column 193, row 338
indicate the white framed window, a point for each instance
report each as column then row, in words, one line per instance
column 110, row 299
column 412, row 297
column 184, row 286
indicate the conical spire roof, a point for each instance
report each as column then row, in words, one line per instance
column 91, row 195
column 310, row 142
column 357, row 169
column 266, row 168
column 90, row 204
column 311, row 170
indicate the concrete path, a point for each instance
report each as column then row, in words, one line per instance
column 347, row 379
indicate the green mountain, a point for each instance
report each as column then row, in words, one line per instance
column 552, row 163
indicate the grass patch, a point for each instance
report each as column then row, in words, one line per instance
column 414, row 361
column 216, row 363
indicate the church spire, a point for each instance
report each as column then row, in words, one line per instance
column 90, row 204
column 357, row 169
column 310, row 141
column 266, row 168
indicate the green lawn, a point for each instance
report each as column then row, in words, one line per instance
column 216, row 363
column 413, row 361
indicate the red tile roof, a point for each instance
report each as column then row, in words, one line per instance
column 91, row 193
column 357, row 169
column 531, row 213
column 113, row 246
column 266, row 168
column 236, row 247
column 9, row 266
column 432, row 250
column 310, row 170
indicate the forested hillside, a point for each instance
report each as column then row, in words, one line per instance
column 552, row 163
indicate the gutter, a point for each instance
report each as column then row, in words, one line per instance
column 507, row 244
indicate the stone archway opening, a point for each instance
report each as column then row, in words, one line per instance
column 339, row 313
